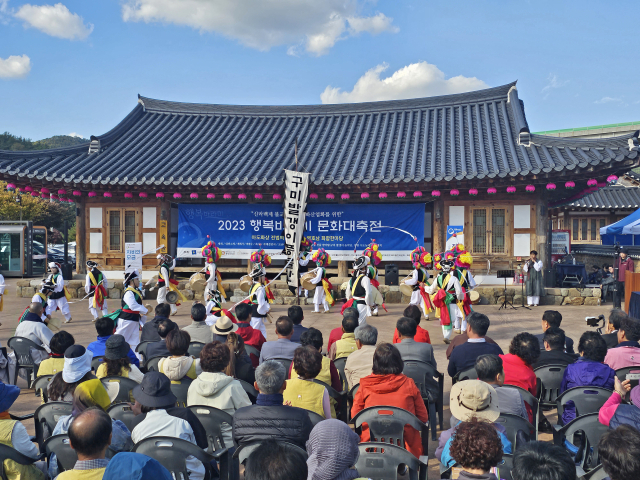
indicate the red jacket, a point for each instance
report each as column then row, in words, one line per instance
column 334, row 336
column 422, row 336
column 252, row 337
column 395, row 391
column 518, row 373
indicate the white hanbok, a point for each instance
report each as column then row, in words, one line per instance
column 363, row 310
column 458, row 320
column 130, row 329
column 87, row 288
column 537, row 266
column 212, row 281
column 162, row 291
column 319, row 296
column 61, row 302
column 263, row 308
column 303, row 261
column 416, row 298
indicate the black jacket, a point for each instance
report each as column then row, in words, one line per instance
column 278, row 422
column 568, row 343
column 611, row 339
column 157, row 349
column 149, row 331
column 555, row 357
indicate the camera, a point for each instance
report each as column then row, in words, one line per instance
column 595, row 322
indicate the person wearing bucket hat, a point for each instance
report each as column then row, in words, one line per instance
column 96, row 287
column 135, row 466
column 59, row 297
column 471, row 399
column 447, row 292
column 223, row 327
column 77, row 369
column 116, row 360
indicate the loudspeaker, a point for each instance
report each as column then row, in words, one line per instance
column 550, row 278
column 391, row 274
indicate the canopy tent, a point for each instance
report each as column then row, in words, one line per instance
column 625, row 231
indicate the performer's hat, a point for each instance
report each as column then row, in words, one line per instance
column 360, row 263
column 321, row 257
column 129, row 276
column 54, row 265
column 47, row 287
column 91, row 264
column 373, row 253
column 257, row 271
column 447, row 264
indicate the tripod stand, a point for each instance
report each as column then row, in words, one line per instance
column 522, row 295
column 506, row 274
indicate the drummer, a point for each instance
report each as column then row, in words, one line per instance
column 359, row 289
column 420, row 258
column 322, row 295
column 303, row 262
column 214, row 308
column 448, row 292
column 211, row 253
column 258, row 298
column 374, row 255
column 463, row 262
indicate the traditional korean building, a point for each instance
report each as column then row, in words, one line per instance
column 469, row 157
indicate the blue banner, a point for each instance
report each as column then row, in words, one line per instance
column 239, row 229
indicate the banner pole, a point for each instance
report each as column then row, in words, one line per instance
column 295, row 151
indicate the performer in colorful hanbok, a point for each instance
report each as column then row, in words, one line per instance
column 166, row 282
column 214, row 308
column 133, row 313
column 258, row 300
column 533, row 283
column 461, row 269
column 96, row 287
column 322, row 295
column 212, row 254
column 60, row 296
column 358, row 290
column 448, row 292
column 374, row 255
column 420, row 258
column 42, row 297
column 303, row 262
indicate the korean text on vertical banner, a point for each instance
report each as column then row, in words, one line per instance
column 295, row 203
column 133, row 256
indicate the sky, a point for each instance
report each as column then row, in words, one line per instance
column 77, row 66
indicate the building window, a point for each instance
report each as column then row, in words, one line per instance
column 576, row 229
column 122, row 228
column 129, row 226
column 114, row 230
column 497, row 230
column 489, row 230
column 587, row 229
column 480, row 231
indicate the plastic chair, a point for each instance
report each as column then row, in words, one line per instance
column 172, row 453
column 468, row 374
column 142, row 350
column 621, row 373
column 386, row 425
column 530, row 400
column 250, row 390
column 212, row 420
column 180, row 389
column 126, row 387
column 513, row 424
column 8, row 453
column 354, row 390
column 593, row 431
column 586, row 400
column 244, row 451
column 122, row 412
column 21, row 347
column 152, row 364
column 251, row 350
column 286, row 362
column 550, row 381
column 378, row 461
column 40, row 384
column 65, row 455
column 195, row 348
column 340, row 364
column 432, row 391
column 315, row 418
column 96, row 362
column 339, row 397
column 597, row 473
column 505, row 467
column 46, row 418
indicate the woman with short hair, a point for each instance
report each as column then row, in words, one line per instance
column 301, row 392
column 58, row 345
column 477, row 447
column 180, row 364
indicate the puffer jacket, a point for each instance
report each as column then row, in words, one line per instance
column 177, row 368
column 585, row 373
column 277, row 422
column 626, row 415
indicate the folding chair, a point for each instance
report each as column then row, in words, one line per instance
column 468, row 374
column 286, row 362
column 340, row 364
column 46, row 418
column 152, row 364
column 21, row 347
column 622, row 373
column 122, row 412
column 380, row 462
column 593, row 431
column 126, row 387
column 251, row 391
column 212, row 420
column 65, row 455
column 244, row 451
column 251, row 350
column 432, row 391
column 315, row 418
column 597, row 473
column 180, row 389
column 96, row 362
column 550, row 381
column 8, row 453
column 195, row 348
column 586, row 400
column 530, row 400
column 142, row 350
column 40, row 384
column 514, row 424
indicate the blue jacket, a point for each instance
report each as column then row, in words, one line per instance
column 99, row 346
column 585, row 373
column 626, row 415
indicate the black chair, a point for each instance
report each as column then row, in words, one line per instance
column 622, row 373
column 8, row 453
column 126, row 387
column 597, row 473
column 65, row 455
column 212, row 420
column 244, row 451
column 195, row 348
column 122, row 412
column 46, row 418
column 530, row 400
column 180, row 389
column 550, row 381
column 340, row 364
column 152, row 364
column 96, row 362
column 172, row 454
column 40, row 384
column 251, row 391
column 505, row 467
column 514, row 424
column 468, row 374
column 354, row 390
column 588, row 430
column 315, row 418
column 142, row 350
column 586, row 400
column 386, row 424
column 432, row 391
column 380, row 462
column 286, row 363
column 339, row 397
column 22, row 349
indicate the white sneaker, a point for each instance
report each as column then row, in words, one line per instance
column 67, row 321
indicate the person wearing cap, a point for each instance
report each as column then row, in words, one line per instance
column 77, row 369
column 133, row 313
column 32, row 327
column 104, row 329
column 58, row 345
column 165, row 277
column 58, row 299
column 135, row 466
column 471, row 399
column 96, row 287
column 258, row 300
column 179, row 364
column 46, row 289
column 154, row 395
column 447, row 292
column 358, row 291
column 116, row 360
column 615, row 413
column 623, row 263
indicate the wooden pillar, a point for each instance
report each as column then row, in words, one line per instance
column 438, row 226
column 81, row 238
column 342, row 269
column 542, row 226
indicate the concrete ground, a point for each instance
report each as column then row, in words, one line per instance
column 504, row 325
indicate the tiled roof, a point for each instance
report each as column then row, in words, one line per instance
column 475, row 135
column 607, row 198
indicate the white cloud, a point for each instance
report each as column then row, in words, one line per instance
column 55, row 20
column 315, row 25
column 609, row 100
column 15, row 66
column 74, row 134
column 553, row 82
column 413, row 81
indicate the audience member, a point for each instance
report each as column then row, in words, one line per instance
column 619, row 453
column 269, row 418
column 553, row 318
column 542, row 461
column 360, row 363
column 301, row 391
column 462, row 339
column 553, row 353
column 347, row 343
column 90, row 436
column 240, row 366
column 283, row 347
column 464, row 357
column 179, row 364
column 410, row 349
column 296, row 315
column 627, row 352
column 159, row 348
column 222, row 328
column 329, row 373
column 199, row 330
column 58, row 345
column 588, row 371
column 422, row 335
column 135, row 466
column 116, row 361
column 470, row 399
column 336, row 459
column 215, row 389
column 489, row 370
column 32, row 327
column 77, row 369
column 104, row 329
column 336, row 333
column 388, row 386
column 149, row 331
column 275, row 461
column 613, row 325
column 523, row 353
column 477, row 448
column 615, row 412
column 249, row 335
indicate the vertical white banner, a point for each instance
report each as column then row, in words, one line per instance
column 133, row 256
column 295, row 204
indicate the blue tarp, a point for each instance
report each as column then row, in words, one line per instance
column 622, row 231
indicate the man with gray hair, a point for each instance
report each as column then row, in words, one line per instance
column 269, row 418
column 360, row 362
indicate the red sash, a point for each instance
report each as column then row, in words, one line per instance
column 346, row 305
column 466, row 303
column 375, row 282
column 439, row 301
column 426, row 298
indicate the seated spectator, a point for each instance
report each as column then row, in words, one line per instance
column 470, row 399
column 32, row 327
column 77, row 369
column 135, row 466
column 301, row 391
column 489, row 370
column 180, row 364
column 627, row 352
column 58, row 345
column 615, row 413
column 542, row 461
column 553, row 353
column 154, row 395
column 422, row 335
column 523, row 353
column 269, row 418
column 215, row 389
column 14, row 434
column 149, row 331
column 613, row 325
column 333, row 460
column 199, row 330
column 329, row 373
column 588, row 371
column 464, row 357
column 296, row 315
column 90, row 436
column 477, row 448
column 410, row 349
column 159, row 348
column 619, row 453
column 283, row 347
column 608, row 282
column 249, row 335
column 104, row 328
column 240, row 366
column 360, row 363
column 275, row 461
column 461, row 339
column 336, row 333
column 388, row 386
column 223, row 327
column 553, row 318
column 116, row 361
column 347, row 343
column 595, row 277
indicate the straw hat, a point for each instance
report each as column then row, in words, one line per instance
column 224, row 326
column 474, row 398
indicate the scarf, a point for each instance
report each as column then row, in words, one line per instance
column 271, row 400
column 76, row 368
column 333, row 450
column 56, row 355
column 31, row 317
column 90, row 393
